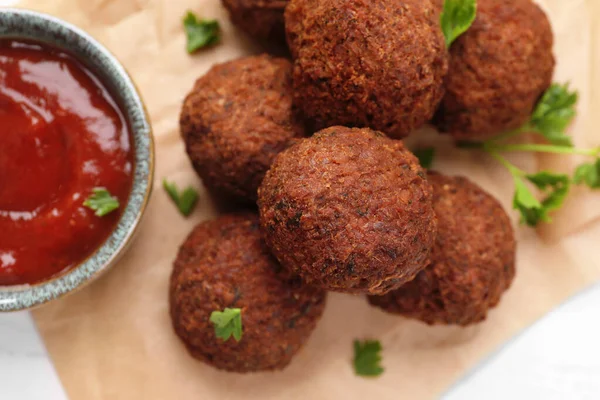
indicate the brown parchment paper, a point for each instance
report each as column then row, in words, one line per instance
column 113, row 340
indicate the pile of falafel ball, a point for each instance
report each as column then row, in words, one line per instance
column 343, row 205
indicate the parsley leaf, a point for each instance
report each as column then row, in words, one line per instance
column 525, row 202
column 457, row 16
column 554, row 186
column 367, row 358
column 425, row 156
column 227, row 323
column 102, row 202
column 589, row 174
column 184, row 202
column 200, row 32
column 553, row 113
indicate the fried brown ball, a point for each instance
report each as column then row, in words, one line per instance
column 365, row 63
column 349, row 210
column 236, row 119
column 438, row 4
column 473, row 260
column 224, row 264
column 262, row 19
column 498, row 70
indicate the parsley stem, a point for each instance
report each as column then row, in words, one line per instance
column 542, row 148
column 515, row 171
column 509, row 134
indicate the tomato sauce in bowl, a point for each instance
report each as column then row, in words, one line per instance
column 61, row 136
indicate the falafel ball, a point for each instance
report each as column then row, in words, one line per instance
column 262, row 19
column 473, row 260
column 366, row 63
column 349, row 210
column 499, row 69
column 236, row 119
column 224, row 264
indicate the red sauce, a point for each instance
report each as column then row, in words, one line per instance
column 61, row 135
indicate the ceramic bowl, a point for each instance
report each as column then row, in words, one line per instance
column 17, row 23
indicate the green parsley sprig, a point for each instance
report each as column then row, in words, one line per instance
column 101, row 201
column 200, row 32
column 227, row 323
column 185, row 201
column 456, row 18
column 367, row 358
column 588, row 174
column 552, row 115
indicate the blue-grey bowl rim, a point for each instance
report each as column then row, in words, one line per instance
column 26, row 24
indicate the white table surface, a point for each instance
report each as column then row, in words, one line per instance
column 26, row 372
column 557, row 358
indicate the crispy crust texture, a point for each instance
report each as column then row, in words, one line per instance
column 262, row 19
column 349, row 210
column 367, row 63
column 236, row 119
column 224, row 263
column 473, row 261
column 498, row 70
